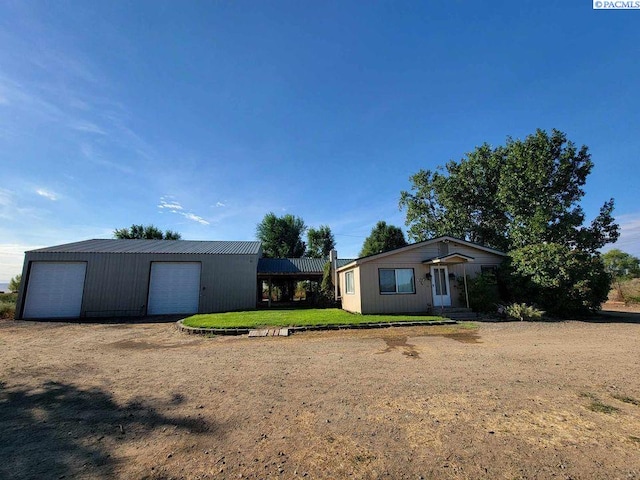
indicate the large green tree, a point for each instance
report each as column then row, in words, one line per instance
column 147, row 232
column 320, row 242
column 281, row 237
column 383, row 238
column 525, row 192
column 621, row 265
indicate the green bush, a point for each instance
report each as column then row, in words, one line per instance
column 8, row 305
column 560, row 280
column 483, row 292
column 522, row 312
column 7, row 310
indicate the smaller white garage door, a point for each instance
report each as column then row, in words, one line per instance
column 55, row 290
column 174, row 287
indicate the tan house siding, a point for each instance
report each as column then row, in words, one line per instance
column 375, row 302
column 369, row 300
column 351, row 302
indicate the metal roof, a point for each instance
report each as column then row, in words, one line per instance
column 311, row 266
column 156, row 246
column 291, row 265
column 344, row 261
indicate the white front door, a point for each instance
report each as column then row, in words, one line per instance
column 440, row 286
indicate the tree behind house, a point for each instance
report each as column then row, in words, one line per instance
column 383, row 238
column 320, row 242
column 147, row 232
column 281, row 237
column 525, row 192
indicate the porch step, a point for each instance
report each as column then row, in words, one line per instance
column 270, row 332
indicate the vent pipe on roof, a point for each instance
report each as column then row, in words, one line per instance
column 333, row 258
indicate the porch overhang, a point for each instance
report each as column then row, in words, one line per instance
column 450, row 259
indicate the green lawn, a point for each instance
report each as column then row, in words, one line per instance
column 287, row 318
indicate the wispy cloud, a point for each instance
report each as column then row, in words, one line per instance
column 195, row 218
column 88, row 127
column 91, row 154
column 11, row 209
column 172, row 206
column 220, row 204
column 48, row 194
column 168, row 203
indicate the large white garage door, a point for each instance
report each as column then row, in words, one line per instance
column 55, row 290
column 174, row 288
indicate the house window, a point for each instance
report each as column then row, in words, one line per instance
column 491, row 272
column 396, row 280
column 349, row 285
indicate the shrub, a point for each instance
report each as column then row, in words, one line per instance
column 561, row 280
column 522, row 312
column 483, row 292
column 7, row 310
column 627, row 291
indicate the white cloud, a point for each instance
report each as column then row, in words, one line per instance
column 173, row 206
column 49, row 195
column 167, row 203
column 195, row 218
column 220, row 204
column 88, row 127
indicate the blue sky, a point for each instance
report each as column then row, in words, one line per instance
column 201, row 117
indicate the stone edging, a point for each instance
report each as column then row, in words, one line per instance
column 245, row 331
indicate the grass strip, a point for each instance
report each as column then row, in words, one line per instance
column 297, row 317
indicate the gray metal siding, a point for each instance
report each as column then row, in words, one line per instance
column 118, row 284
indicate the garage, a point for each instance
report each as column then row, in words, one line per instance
column 55, row 289
column 119, row 278
column 174, row 287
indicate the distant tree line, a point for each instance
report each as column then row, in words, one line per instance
column 145, row 232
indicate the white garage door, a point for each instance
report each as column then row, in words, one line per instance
column 55, row 290
column 174, row 288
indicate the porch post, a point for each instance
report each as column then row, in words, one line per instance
column 466, row 290
column 269, row 301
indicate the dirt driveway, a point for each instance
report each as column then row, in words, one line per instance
column 507, row 400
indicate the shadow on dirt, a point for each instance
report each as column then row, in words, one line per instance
column 408, row 349
column 112, row 320
column 612, row 316
column 58, row 430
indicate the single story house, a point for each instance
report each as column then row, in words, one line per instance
column 100, row 278
column 420, row 277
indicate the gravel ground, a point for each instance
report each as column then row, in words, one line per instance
column 505, row 400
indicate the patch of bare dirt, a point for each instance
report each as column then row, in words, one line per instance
column 508, row 400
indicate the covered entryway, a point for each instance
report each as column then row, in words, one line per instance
column 174, row 287
column 54, row 290
column 441, row 278
column 440, row 288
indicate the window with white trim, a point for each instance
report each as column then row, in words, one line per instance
column 396, row 280
column 349, row 286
